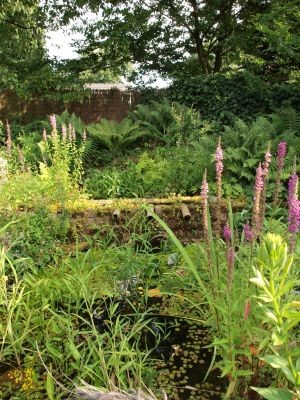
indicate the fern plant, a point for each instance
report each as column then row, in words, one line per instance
column 167, row 122
column 116, row 136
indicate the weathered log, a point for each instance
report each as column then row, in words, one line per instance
column 158, row 210
column 150, row 212
column 116, row 214
column 185, row 212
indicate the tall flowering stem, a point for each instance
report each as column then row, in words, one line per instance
column 8, row 139
column 53, row 125
column 227, row 233
column 294, row 210
column 204, row 203
column 219, row 171
column 265, row 168
column 64, row 132
column 281, row 154
column 248, row 233
column 258, row 187
column 230, row 267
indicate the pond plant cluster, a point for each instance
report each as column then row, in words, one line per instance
column 214, row 319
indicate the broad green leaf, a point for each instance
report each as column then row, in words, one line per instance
column 275, row 361
column 274, row 393
column 244, row 373
column 50, row 386
column 289, row 375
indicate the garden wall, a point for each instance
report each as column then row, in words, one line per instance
column 113, row 103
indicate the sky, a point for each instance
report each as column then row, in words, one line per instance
column 59, row 45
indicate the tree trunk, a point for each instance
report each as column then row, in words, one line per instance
column 218, row 58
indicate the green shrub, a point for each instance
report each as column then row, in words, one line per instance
column 223, row 97
column 168, row 123
column 116, row 136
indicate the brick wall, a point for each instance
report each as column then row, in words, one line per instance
column 110, row 103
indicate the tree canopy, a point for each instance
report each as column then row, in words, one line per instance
column 172, row 37
column 162, row 34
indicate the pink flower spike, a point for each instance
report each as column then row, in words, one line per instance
column 204, row 187
column 281, row 150
column 53, row 122
column 248, row 233
column 267, row 162
column 64, row 132
column 293, row 204
column 219, row 159
column 227, row 233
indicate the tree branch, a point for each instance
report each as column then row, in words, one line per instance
column 19, row 25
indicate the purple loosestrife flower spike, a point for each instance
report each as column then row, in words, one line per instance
column 258, row 187
column 8, row 138
column 265, row 169
column 267, row 162
column 293, row 203
column 219, row 159
column 248, row 233
column 64, row 132
column 204, row 198
column 219, row 170
column 281, row 153
column 227, row 233
column 53, row 122
column 294, row 216
column 292, row 187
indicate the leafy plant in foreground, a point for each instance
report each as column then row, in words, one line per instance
column 273, row 276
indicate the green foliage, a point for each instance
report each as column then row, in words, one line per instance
column 274, row 278
column 55, row 181
column 157, row 173
column 193, row 38
column 116, row 136
column 246, row 143
column 36, row 238
column 271, row 47
column 169, row 123
column 223, row 97
column 50, row 318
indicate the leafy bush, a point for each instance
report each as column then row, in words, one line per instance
column 36, row 237
column 158, row 173
column 246, row 143
column 223, row 97
column 116, row 136
column 169, row 123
